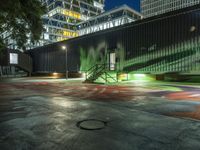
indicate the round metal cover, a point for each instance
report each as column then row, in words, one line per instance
column 91, row 124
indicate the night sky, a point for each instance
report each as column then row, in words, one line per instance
column 114, row 3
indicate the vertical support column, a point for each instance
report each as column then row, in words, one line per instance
column 117, row 76
column 106, row 77
column 1, row 73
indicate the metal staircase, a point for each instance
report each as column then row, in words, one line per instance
column 99, row 71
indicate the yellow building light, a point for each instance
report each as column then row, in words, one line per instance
column 70, row 33
column 71, row 14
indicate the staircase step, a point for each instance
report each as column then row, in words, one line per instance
column 97, row 71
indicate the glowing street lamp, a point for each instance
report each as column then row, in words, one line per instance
column 65, row 49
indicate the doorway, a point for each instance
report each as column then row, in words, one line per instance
column 112, row 60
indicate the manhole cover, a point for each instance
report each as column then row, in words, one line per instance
column 91, row 124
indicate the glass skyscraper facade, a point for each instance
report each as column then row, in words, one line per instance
column 61, row 20
column 115, row 17
column 66, row 19
column 155, row 7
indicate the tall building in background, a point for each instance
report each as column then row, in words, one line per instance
column 109, row 19
column 66, row 19
column 155, row 7
column 61, row 21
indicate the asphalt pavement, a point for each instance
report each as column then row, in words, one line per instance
column 59, row 114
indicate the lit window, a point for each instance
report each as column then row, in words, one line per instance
column 13, row 58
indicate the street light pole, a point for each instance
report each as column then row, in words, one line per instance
column 66, row 67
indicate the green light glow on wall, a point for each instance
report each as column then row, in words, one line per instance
column 140, row 77
column 87, row 59
column 123, row 77
column 127, row 77
column 92, row 56
column 178, row 57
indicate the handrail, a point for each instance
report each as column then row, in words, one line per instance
column 97, row 70
column 106, row 65
column 93, row 69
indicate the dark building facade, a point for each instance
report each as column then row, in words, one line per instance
column 12, row 61
column 168, row 43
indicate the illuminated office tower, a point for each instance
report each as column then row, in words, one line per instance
column 61, row 20
column 155, row 7
column 115, row 17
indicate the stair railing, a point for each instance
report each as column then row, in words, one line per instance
column 94, row 70
column 97, row 70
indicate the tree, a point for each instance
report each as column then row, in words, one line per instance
column 22, row 19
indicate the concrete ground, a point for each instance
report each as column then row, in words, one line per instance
column 55, row 114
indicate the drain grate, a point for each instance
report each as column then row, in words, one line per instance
column 91, row 124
